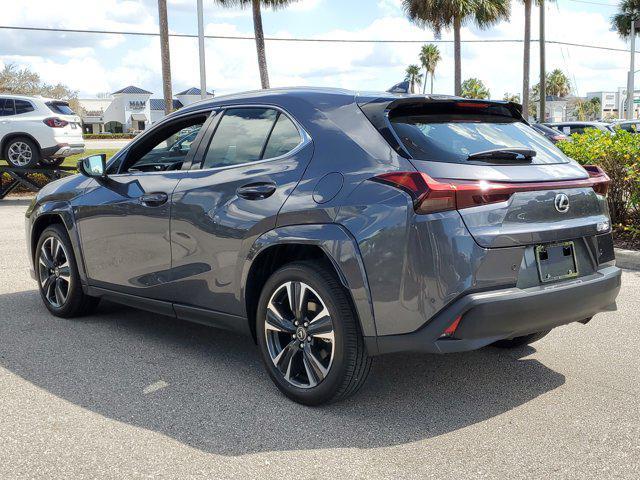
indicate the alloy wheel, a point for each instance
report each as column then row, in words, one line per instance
column 19, row 154
column 54, row 271
column 299, row 334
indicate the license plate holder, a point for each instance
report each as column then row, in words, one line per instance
column 556, row 261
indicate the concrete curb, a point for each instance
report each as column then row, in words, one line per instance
column 628, row 258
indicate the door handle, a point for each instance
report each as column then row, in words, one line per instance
column 256, row 191
column 154, row 199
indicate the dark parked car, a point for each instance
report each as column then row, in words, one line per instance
column 333, row 227
column 569, row 128
column 549, row 133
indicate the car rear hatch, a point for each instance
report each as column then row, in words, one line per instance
column 69, row 122
column 511, row 186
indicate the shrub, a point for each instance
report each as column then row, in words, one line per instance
column 619, row 155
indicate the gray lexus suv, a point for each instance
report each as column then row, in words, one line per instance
column 332, row 227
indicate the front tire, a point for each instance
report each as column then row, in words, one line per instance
column 309, row 335
column 58, row 278
column 22, row 152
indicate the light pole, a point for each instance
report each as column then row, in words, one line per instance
column 630, row 83
column 203, row 72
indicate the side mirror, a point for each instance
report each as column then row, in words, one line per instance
column 94, row 166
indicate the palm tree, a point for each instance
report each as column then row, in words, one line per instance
column 429, row 58
column 474, row 88
column 414, row 77
column 621, row 21
column 257, row 28
column 628, row 10
column 558, row 83
column 444, row 14
column 165, row 56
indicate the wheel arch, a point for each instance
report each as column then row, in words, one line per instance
column 56, row 213
column 330, row 244
column 10, row 136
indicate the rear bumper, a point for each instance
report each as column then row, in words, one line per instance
column 63, row 150
column 498, row 314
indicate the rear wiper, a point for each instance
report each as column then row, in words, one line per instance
column 505, row 153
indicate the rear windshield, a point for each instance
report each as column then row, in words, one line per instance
column 62, row 108
column 450, row 133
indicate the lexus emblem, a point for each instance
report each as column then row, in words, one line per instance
column 562, row 203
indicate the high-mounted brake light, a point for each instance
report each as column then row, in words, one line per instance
column 438, row 195
column 55, row 122
column 471, row 105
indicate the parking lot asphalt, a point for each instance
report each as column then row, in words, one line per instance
column 128, row 394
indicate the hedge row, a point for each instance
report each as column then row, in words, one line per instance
column 107, row 136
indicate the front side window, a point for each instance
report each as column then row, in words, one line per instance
column 6, row 107
column 166, row 147
column 451, row 133
column 22, row 106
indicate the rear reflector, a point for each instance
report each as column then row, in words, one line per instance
column 451, row 329
column 438, row 195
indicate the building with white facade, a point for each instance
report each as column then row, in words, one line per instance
column 613, row 103
column 130, row 109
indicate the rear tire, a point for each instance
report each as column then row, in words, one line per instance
column 322, row 358
column 51, row 162
column 21, row 152
column 520, row 341
column 58, row 278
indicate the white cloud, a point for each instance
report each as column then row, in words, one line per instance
column 80, row 60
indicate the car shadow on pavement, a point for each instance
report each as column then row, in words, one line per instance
column 207, row 388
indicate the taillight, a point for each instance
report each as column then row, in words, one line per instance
column 55, row 122
column 430, row 196
column 439, row 195
column 600, row 179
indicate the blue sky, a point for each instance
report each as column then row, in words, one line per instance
column 92, row 64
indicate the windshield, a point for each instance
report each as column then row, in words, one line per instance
column 453, row 137
column 62, row 108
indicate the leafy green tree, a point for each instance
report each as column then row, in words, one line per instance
column 511, row 97
column 414, row 77
column 23, row 81
column 429, row 58
column 474, row 88
column 445, row 14
column 257, row 28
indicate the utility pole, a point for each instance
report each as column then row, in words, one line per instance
column 203, row 72
column 543, row 73
column 164, row 55
column 632, row 68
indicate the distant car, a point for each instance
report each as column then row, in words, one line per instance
column 38, row 131
column 332, row 227
column 632, row 126
column 549, row 133
column 569, row 128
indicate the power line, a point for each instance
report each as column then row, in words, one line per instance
column 595, row 3
column 309, row 40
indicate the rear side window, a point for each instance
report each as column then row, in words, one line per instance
column 6, row 107
column 22, row 106
column 62, row 108
column 451, row 132
column 284, row 138
column 240, row 137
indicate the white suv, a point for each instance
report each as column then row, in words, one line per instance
column 37, row 130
